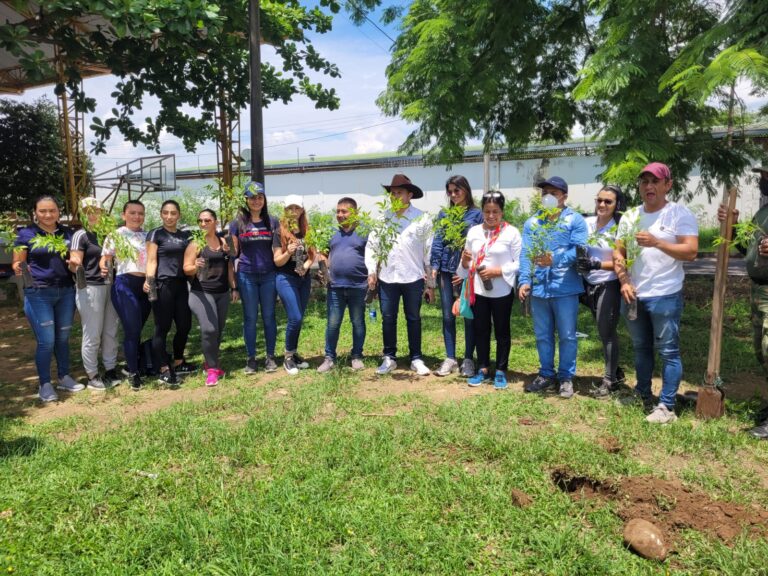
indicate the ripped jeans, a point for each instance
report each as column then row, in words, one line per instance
column 50, row 312
column 657, row 329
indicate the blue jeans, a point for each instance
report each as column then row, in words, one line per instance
column 336, row 301
column 50, row 312
column 449, row 321
column 132, row 306
column 258, row 290
column 550, row 314
column 657, row 326
column 294, row 294
column 389, row 296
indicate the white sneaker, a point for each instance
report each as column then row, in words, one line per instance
column 387, row 365
column 661, row 415
column 448, row 366
column 420, row 368
column 68, row 384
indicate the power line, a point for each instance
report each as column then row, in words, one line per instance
column 331, row 135
column 371, row 22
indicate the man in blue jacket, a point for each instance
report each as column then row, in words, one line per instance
column 548, row 275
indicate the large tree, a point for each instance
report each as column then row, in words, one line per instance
column 492, row 70
column 192, row 55
column 31, row 154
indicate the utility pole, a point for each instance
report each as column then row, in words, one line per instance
column 257, row 125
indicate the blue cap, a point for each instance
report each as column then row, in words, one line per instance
column 253, row 188
column 555, row 182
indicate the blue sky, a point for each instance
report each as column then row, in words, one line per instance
column 360, row 52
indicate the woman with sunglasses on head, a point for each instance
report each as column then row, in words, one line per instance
column 170, row 304
column 444, row 261
column 490, row 260
column 49, row 301
column 213, row 275
column 253, row 232
column 127, row 293
column 603, row 294
column 293, row 281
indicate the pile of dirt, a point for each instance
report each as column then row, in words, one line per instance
column 669, row 504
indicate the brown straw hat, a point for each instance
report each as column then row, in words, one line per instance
column 402, row 181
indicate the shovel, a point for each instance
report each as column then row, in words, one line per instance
column 710, row 402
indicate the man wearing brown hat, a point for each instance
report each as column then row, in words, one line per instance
column 403, row 274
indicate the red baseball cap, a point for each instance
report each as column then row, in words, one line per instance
column 661, row 171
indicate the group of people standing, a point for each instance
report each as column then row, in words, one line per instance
column 559, row 260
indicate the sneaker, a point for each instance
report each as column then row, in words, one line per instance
column 213, row 377
column 97, row 383
column 326, row 365
column 479, row 378
column 136, row 382
column 661, row 415
column 760, row 431
column 539, row 384
column 111, row 378
column 620, row 376
column 566, row 389
column 185, row 368
column 604, row 390
column 169, row 379
column 500, row 381
column 250, row 366
column 448, row 366
column 47, row 393
column 467, row 368
column 220, row 372
column 301, row 364
column 357, row 364
column 420, row 368
column 387, row 365
column 290, row 365
column 67, row 384
column 270, row 365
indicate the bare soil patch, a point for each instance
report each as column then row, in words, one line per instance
column 668, row 504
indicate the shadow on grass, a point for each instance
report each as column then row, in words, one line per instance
column 22, row 446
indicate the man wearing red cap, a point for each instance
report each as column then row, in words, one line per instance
column 403, row 274
column 666, row 234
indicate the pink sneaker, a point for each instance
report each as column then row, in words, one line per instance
column 213, row 377
column 221, row 373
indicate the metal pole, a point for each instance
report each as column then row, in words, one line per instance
column 486, row 172
column 257, row 133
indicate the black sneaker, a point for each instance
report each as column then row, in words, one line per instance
column 111, row 378
column 301, row 364
column 604, row 390
column 185, row 368
column 539, row 384
column 620, row 376
column 250, row 366
column 270, row 365
column 169, row 379
column 761, row 431
column 290, row 366
column 135, row 381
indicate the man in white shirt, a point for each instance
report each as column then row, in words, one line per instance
column 403, row 274
column 666, row 234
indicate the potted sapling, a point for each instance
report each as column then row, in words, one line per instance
column 322, row 227
column 452, row 228
column 382, row 234
column 627, row 241
column 197, row 237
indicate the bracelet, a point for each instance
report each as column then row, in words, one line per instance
column 234, row 289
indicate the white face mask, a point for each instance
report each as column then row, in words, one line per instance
column 548, row 201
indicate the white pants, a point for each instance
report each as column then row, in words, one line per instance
column 99, row 321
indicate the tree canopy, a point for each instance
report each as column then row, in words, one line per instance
column 31, row 154
column 192, row 55
column 651, row 78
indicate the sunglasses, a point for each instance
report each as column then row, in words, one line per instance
column 454, row 192
column 204, row 220
column 603, row 201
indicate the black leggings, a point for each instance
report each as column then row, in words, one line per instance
column 496, row 311
column 171, row 306
column 604, row 301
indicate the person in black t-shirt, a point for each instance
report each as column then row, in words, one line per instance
column 165, row 269
column 213, row 276
column 97, row 314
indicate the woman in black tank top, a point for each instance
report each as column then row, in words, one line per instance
column 213, row 277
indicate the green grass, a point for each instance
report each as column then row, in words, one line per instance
column 248, row 481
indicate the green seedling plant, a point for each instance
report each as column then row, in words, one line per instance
column 322, row 227
column 743, row 234
column 51, row 243
column 386, row 230
column 603, row 238
column 197, row 235
column 8, row 236
column 452, row 227
column 544, row 227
